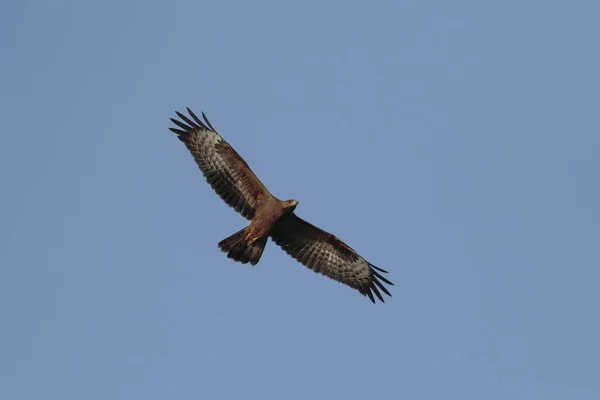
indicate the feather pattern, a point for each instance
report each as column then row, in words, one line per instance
column 324, row 253
column 226, row 172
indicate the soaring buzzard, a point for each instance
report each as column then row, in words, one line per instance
column 234, row 181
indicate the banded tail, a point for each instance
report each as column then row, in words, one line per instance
column 239, row 250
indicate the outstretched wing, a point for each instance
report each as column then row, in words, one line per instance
column 224, row 169
column 323, row 252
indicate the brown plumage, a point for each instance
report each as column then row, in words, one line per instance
column 233, row 180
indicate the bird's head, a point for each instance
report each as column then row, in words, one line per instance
column 291, row 204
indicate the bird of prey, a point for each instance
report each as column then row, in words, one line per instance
column 233, row 180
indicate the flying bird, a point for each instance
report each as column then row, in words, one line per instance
column 233, row 180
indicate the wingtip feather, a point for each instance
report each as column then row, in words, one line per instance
column 187, row 120
column 368, row 293
column 208, row 122
column 378, row 269
column 193, row 115
column 383, row 288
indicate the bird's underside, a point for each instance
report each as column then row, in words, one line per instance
column 233, row 180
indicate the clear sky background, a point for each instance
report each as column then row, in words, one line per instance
column 453, row 143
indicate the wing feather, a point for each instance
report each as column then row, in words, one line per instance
column 224, row 169
column 323, row 252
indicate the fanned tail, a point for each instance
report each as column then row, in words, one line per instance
column 239, row 250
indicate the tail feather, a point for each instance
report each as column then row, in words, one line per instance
column 239, row 250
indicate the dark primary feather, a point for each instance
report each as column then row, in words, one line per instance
column 323, row 252
column 224, row 169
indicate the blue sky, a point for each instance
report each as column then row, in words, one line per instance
column 454, row 144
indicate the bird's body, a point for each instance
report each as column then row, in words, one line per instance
column 265, row 218
column 233, row 180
